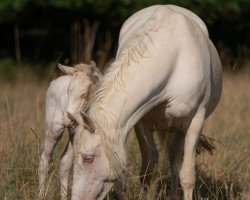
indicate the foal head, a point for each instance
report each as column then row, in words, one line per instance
column 83, row 84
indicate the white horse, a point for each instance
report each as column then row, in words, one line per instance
column 143, row 130
column 167, row 74
column 70, row 93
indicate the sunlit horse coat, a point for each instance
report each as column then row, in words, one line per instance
column 167, row 73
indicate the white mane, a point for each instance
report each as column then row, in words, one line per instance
column 131, row 56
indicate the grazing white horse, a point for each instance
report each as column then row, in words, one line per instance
column 166, row 75
column 70, row 93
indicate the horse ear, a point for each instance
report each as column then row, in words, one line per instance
column 88, row 124
column 66, row 69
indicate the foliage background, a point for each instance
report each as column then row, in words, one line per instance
column 53, row 30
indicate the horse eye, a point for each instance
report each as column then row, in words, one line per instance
column 88, row 158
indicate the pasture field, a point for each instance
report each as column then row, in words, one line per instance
column 221, row 176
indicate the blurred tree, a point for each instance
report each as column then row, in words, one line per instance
column 92, row 25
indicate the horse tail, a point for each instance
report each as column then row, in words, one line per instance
column 205, row 144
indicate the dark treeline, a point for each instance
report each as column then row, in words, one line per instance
column 71, row 31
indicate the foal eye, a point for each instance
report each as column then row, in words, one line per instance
column 84, row 95
column 88, row 158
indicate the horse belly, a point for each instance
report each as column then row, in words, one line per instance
column 164, row 118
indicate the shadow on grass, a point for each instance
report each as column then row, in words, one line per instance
column 216, row 189
column 207, row 188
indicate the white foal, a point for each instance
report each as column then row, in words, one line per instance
column 69, row 93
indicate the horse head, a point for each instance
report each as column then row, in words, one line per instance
column 93, row 177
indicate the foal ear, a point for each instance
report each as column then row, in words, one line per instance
column 96, row 75
column 88, row 124
column 94, row 68
column 93, row 64
column 66, row 69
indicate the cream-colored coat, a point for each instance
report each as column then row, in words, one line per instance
column 167, row 73
column 67, row 94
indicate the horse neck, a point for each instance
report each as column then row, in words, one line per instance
column 120, row 106
column 110, row 119
column 116, row 109
column 125, row 94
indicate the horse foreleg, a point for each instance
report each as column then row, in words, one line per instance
column 187, row 172
column 149, row 153
column 120, row 190
column 65, row 167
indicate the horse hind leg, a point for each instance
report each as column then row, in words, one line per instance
column 187, row 172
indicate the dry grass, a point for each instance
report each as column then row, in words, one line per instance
column 228, row 170
column 224, row 175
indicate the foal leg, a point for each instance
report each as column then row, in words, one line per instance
column 65, row 167
column 52, row 135
column 187, row 172
column 149, row 152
